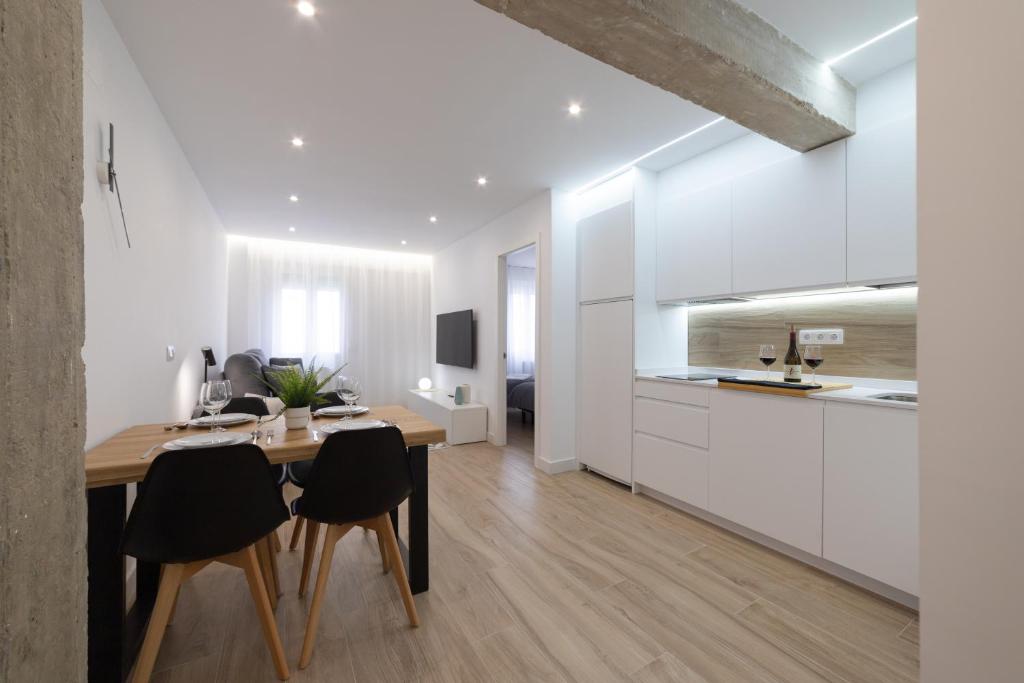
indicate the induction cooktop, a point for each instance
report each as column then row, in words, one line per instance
column 697, row 376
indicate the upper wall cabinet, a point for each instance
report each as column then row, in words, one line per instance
column 882, row 195
column 606, row 253
column 789, row 223
column 695, row 245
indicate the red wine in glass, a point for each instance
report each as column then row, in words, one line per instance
column 767, row 356
column 813, row 358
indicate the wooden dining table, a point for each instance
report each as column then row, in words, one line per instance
column 115, row 634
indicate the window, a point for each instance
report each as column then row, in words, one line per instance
column 328, row 321
column 309, row 326
column 293, row 322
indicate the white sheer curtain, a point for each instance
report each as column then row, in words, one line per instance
column 368, row 308
column 520, row 334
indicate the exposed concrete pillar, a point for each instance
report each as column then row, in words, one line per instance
column 42, row 323
column 714, row 53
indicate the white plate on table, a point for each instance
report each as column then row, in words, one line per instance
column 341, row 411
column 223, row 420
column 353, row 425
column 208, row 440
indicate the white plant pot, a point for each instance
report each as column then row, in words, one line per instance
column 296, row 418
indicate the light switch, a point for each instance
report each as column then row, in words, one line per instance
column 170, row 352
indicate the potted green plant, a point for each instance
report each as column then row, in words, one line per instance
column 298, row 389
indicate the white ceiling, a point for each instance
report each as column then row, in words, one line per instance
column 403, row 103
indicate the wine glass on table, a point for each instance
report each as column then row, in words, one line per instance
column 767, row 356
column 350, row 393
column 813, row 358
column 213, row 397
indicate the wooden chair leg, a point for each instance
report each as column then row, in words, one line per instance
column 262, row 550
column 275, row 540
column 260, row 597
column 331, row 538
column 272, row 556
column 296, row 530
column 385, row 559
column 174, row 607
column 312, row 530
column 170, row 581
column 385, row 529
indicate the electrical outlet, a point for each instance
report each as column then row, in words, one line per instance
column 170, row 352
column 830, row 336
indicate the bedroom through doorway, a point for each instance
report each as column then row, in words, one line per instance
column 520, row 347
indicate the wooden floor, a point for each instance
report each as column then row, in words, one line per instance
column 567, row 578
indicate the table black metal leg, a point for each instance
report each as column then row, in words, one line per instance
column 419, row 550
column 106, row 509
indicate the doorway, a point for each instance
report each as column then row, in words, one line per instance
column 520, row 347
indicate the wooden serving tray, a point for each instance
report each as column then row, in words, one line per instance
column 761, row 387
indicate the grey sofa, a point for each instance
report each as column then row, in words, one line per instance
column 245, row 369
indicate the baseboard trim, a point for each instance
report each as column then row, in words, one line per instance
column 555, row 466
column 850, row 576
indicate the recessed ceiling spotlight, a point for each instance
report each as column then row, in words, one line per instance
column 297, row 142
column 306, row 8
column 433, row 219
column 403, row 243
column 575, row 109
column 481, row 181
column 291, row 228
column 293, row 198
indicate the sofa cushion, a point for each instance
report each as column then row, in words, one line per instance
column 244, row 371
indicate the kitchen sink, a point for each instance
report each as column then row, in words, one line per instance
column 905, row 398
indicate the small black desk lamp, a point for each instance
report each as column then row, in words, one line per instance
column 210, row 362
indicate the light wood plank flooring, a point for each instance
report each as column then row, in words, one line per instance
column 540, row 578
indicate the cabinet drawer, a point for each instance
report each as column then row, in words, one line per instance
column 671, row 468
column 676, row 392
column 684, row 423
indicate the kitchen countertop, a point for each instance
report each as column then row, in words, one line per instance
column 862, row 390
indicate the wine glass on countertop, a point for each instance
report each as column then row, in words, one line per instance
column 214, row 396
column 813, row 358
column 767, row 356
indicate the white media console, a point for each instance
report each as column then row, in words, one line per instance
column 463, row 424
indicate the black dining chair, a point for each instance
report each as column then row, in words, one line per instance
column 201, row 506
column 254, row 405
column 357, row 478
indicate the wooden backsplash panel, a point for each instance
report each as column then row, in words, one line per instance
column 880, row 332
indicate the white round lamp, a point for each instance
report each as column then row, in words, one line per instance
column 425, row 384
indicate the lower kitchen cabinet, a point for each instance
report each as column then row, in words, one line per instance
column 871, row 492
column 672, row 468
column 765, row 469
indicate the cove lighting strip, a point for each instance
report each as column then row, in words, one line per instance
column 880, row 36
column 625, row 167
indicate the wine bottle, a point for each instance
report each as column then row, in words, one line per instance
column 792, row 361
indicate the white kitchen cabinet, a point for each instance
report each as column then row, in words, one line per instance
column 606, row 253
column 766, row 465
column 871, row 492
column 695, row 245
column 605, row 420
column 789, row 223
column 672, row 468
column 882, row 204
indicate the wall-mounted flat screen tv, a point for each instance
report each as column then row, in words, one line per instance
column 455, row 344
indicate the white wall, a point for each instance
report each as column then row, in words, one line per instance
column 170, row 287
column 970, row 244
column 467, row 275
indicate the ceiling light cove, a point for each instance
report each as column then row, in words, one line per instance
column 293, row 198
column 574, row 109
column 306, row 8
column 481, row 181
column 433, row 219
column 297, row 142
column 872, row 41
